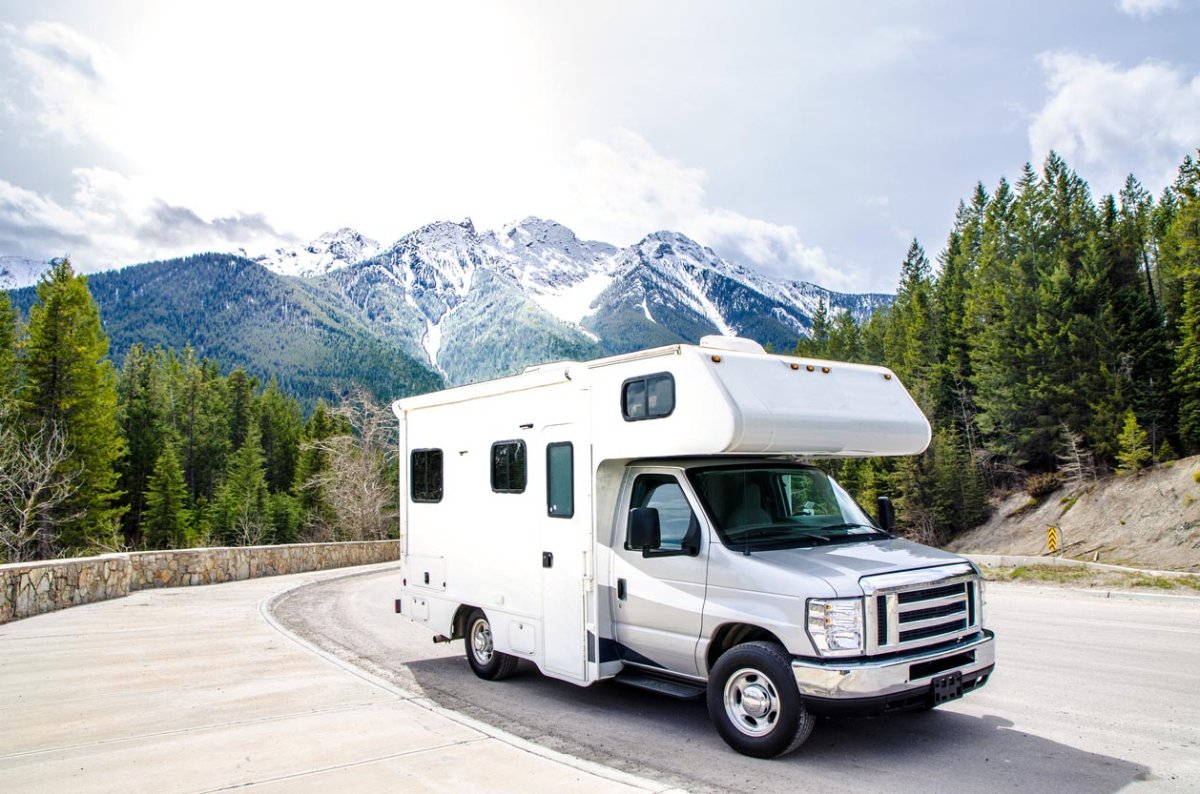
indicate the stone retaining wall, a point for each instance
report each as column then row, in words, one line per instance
column 32, row 588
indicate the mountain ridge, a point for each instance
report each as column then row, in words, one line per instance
column 454, row 304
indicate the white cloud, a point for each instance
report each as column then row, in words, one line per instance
column 1106, row 121
column 70, row 78
column 112, row 221
column 1146, row 8
column 623, row 189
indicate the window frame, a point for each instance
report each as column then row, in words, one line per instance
column 520, row 444
column 570, row 479
column 412, row 475
column 645, row 381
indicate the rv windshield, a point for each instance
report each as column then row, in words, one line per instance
column 763, row 507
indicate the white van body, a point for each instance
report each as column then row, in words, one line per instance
column 547, row 573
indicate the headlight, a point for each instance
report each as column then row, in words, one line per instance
column 836, row 626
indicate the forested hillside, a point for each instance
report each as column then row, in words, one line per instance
column 236, row 312
column 167, row 451
column 1059, row 335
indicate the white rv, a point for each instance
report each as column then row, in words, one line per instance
column 646, row 517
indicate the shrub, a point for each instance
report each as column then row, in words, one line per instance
column 1040, row 485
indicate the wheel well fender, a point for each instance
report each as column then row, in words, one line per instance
column 731, row 634
column 458, row 626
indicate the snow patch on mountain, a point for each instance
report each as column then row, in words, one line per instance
column 561, row 273
column 18, row 271
column 328, row 252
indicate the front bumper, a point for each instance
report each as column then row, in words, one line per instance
column 876, row 686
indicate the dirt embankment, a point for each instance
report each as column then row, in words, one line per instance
column 1147, row 520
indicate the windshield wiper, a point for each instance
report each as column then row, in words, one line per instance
column 854, row 525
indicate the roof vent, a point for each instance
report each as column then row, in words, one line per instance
column 737, row 344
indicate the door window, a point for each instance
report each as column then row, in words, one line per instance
column 560, row 480
column 676, row 521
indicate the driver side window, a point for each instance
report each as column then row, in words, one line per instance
column 676, row 521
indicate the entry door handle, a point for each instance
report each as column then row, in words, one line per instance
column 621, row 589
column 547, row 559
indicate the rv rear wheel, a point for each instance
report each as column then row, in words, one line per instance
column 486, row 661
column 754, row 703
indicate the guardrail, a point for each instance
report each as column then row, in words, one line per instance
column 32, row 588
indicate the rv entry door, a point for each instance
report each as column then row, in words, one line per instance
column 566, row 546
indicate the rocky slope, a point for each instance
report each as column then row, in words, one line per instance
column 1148, row 520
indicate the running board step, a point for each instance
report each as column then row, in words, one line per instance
column 682, row 690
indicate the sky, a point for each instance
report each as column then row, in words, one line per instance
column 807, row 140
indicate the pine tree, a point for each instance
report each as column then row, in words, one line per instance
column 242, row 511
column 71, row 386
column 243, row 406
column 1187, row 366
column 280, row 426
column 143, row 426
column 312, row 469
column 817, row 343
column 8, row 352
column 1134, row 451
column 165, row 523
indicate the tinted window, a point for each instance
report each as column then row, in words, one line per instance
column 649, row 397
column 426, row 484
column 560, row 480
column 675, row 516
column 508, row 466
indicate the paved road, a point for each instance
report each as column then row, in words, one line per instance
column 1090, row 695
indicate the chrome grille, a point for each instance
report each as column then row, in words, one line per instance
column 913, row 609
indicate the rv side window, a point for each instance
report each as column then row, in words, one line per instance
column 649, row 397
column 560, row 480
column 676, row 521
column 426, row 484
column 508, row 466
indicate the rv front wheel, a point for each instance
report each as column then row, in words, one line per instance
column 754, row 703
column 486, row 661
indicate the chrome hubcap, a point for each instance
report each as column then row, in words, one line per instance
column 752, row 702
column 481, row 641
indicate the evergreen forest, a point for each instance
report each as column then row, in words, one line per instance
column 167, row 451
column 1056, row 339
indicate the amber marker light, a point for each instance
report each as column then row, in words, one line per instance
column 810, row 368
column 716, row 359
column 795, row 366
column 825, row 370
column 887, row 376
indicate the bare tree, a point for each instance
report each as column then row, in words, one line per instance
column 357, row 482
column 1077, row 462
column 35, row 479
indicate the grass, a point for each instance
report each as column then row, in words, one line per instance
column 1160, row 582
column 1067, row 503
column 1025, row 508
column 1092, row 578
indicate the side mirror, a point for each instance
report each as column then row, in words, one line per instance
column 644, row 532
column 887, row 513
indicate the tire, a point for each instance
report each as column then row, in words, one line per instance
column 488, row 663
column 753, row 701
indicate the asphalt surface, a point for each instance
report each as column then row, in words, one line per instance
column 1090, row 695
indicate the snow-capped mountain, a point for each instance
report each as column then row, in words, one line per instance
column 17, row 271
column 482, row 304
column 469, row 304
column 328, row 252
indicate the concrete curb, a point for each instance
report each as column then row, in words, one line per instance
column 266, row 610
